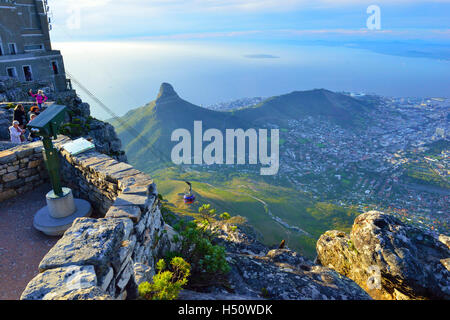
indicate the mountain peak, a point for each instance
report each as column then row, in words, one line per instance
column 166, row 91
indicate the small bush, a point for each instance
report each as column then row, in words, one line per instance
column 167, row 284
column 197, row 242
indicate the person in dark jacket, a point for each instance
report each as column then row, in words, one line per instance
column 20, row 115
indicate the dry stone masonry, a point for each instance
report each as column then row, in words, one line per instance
column 21, row 170
column 104, row 258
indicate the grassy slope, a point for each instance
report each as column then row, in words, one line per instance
column 237, row 196
column 148, row 149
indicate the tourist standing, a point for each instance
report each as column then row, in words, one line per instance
column 34, row 110
column 16, row 132
column 40, row 97
column 20, row 116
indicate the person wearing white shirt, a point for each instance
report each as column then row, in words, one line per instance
column 15, row 132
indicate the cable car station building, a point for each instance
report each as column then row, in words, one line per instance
column 25, row 48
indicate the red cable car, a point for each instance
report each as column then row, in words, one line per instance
column 189, row 198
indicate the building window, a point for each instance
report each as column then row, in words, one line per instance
column 34, row 47
column 28, row 73
column 55, row 67
column 12, row 48
column 12, row 72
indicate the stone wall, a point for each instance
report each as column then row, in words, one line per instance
column 104, row 258
column 21, row 169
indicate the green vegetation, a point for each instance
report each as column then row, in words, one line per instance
column 303, row 140
column 197, row 243
column 351, row 246
column 339, row 218
column 437, row 147
column 237, row 194
column 167, row 284
column 422, row 173
column 149, row 146
column 76, row 127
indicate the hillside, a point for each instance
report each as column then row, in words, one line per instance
column 338, row 108
column 273, row 207
column 145, row 132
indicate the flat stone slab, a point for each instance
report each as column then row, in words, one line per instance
column 44, row 222
column 126, row 199
column 137, row 180
column 89, row 242
column 131, row 212
column 91, row 293
column 7, row 156
column 59, row 282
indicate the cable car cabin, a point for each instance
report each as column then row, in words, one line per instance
column 189, row 199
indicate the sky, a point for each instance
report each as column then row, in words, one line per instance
column 214, row 50
column 268, row 19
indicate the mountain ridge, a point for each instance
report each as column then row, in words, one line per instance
column 153, row 123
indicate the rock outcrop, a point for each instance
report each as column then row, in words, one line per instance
column 79, row 122
column 278, row 274
column 389, row 259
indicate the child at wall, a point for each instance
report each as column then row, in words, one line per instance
column 33, row 136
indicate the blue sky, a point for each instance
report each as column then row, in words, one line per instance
column 247, row 19
column 217, row 50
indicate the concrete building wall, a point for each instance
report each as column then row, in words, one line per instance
column 25, row 47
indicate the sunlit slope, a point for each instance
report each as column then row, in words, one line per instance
column 338, row 108
column 275, row 209
column 253, row 198
column 146, row 132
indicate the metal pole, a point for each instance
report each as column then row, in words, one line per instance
column 51, row 160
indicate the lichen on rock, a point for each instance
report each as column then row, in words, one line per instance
column 388, row 258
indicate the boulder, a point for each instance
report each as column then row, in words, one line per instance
column 91, row 293
column 59, row 282
column 90, row 242
column 279, row 274
column 388, row 258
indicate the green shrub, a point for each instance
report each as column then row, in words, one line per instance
column 167, row 284
column 197, row 242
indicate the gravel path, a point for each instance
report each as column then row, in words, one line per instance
column 21, row 246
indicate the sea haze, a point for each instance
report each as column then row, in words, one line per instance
column 126, row 75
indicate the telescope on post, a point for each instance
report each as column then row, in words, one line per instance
column 62, row 209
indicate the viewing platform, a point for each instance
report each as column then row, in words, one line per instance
column 21, row 246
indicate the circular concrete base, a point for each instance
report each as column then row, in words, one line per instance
column 44, row 222
column 61, row 206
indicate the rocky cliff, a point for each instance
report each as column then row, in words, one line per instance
column 389, row 259
column 258, row 272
